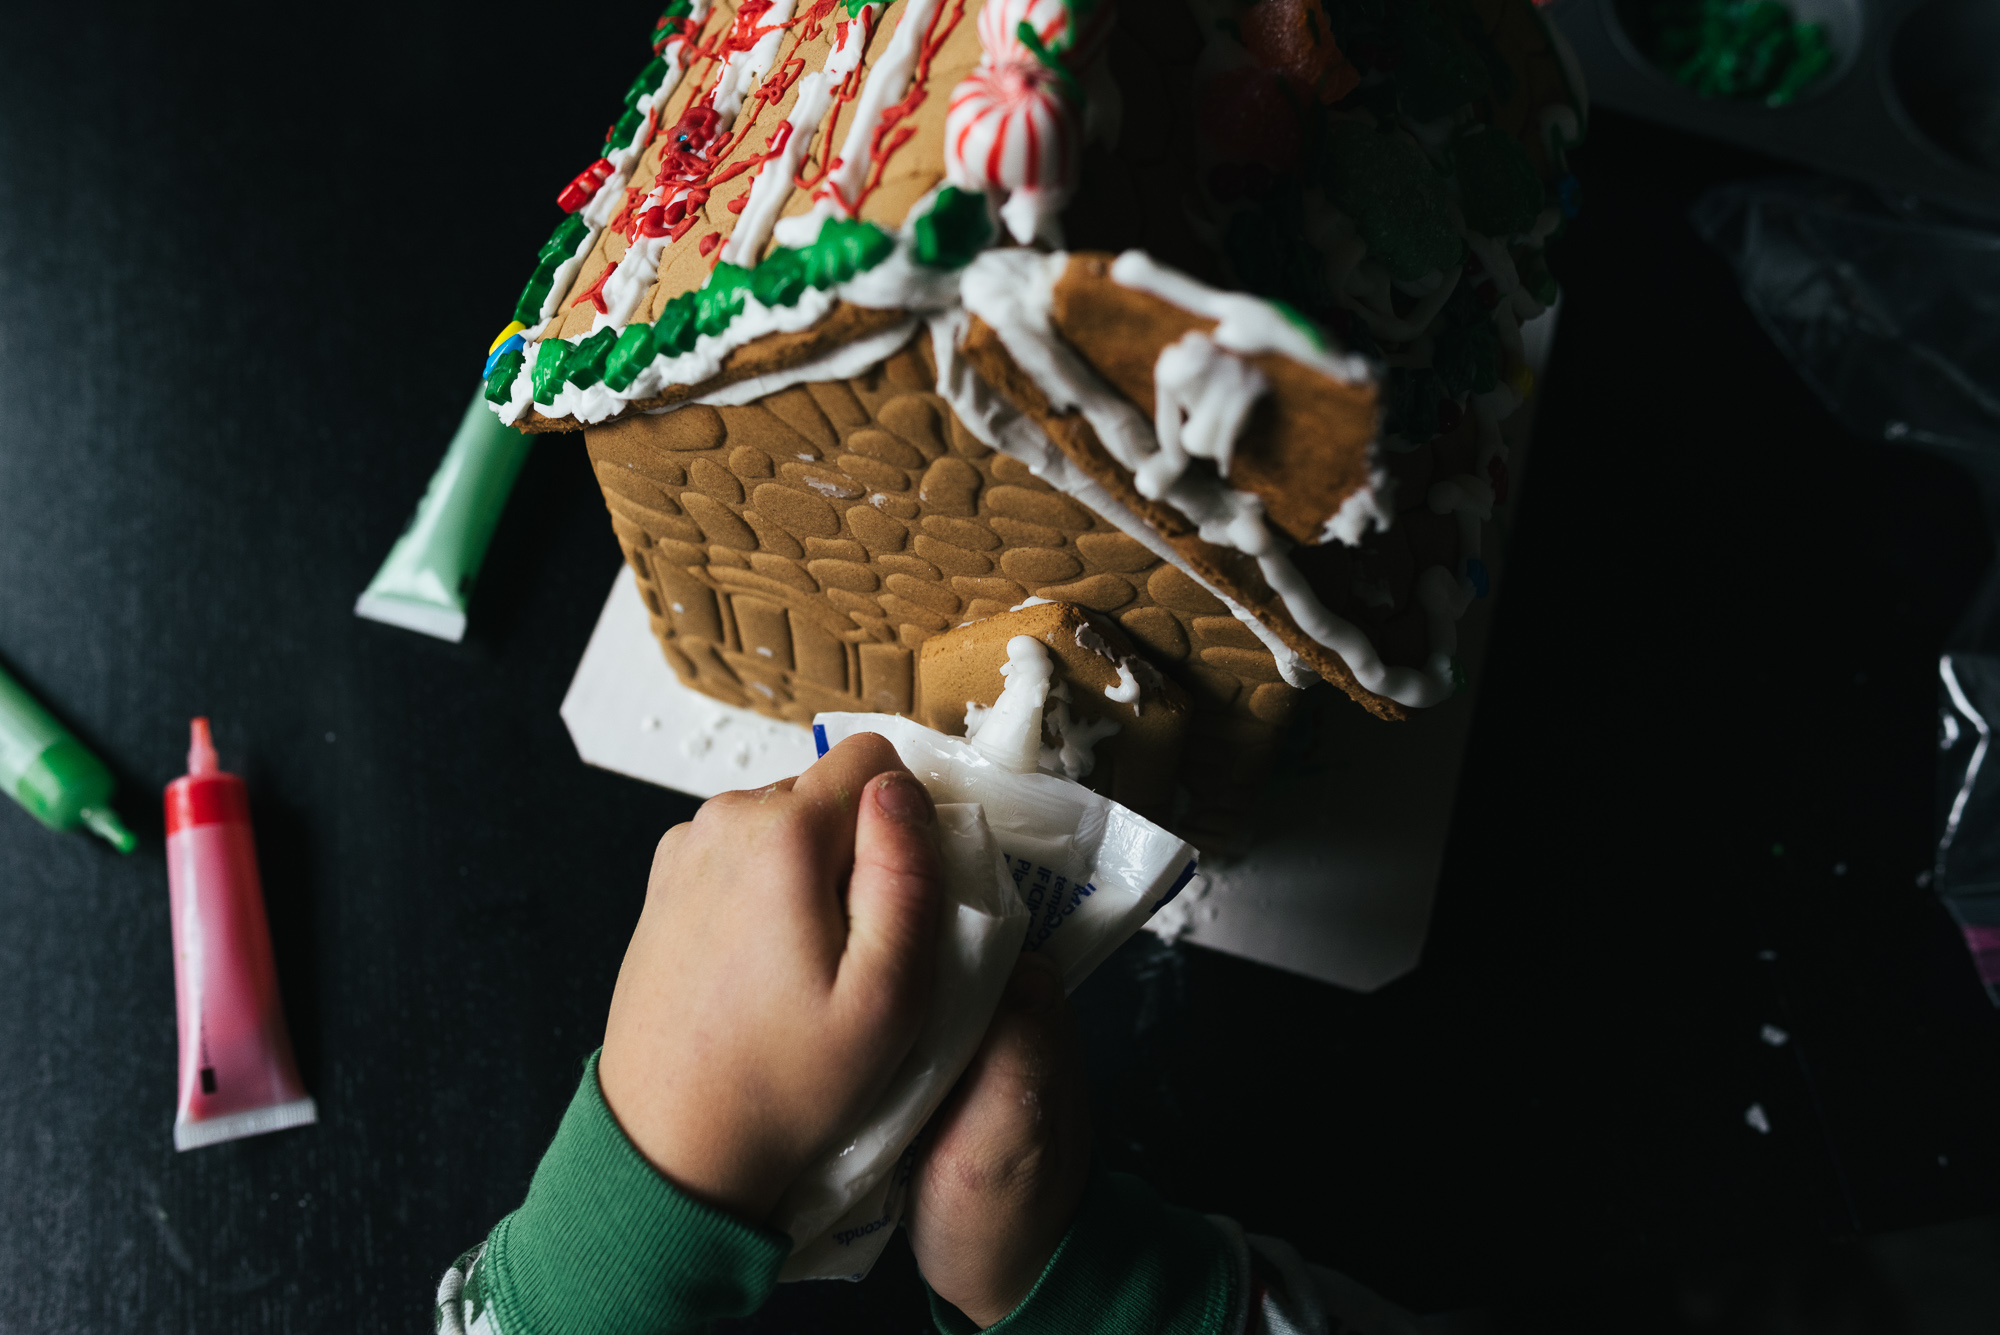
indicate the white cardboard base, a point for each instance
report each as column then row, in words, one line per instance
column 1340, row 891
column 1342, row 895
column 627, row 711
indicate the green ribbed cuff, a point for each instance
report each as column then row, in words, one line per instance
column 606, row 1246
column 1130, row 1262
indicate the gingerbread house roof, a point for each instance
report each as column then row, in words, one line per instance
column 794, row 189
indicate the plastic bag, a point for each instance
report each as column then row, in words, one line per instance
column 1074, row 875
column 1892, row 316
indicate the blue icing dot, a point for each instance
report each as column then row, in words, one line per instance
column 511, row 345
column 1475, row 570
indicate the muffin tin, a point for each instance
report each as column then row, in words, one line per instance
column 1911, row 104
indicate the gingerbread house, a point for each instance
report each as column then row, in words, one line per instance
column 1185, row 338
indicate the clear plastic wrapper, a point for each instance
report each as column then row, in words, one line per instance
column 1892, row 314
column 1031, row 862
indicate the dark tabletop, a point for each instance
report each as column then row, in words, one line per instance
column 248, row 264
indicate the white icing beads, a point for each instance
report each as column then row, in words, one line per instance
column 1012, row 127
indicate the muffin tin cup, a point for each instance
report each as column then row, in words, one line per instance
column 1911, row 104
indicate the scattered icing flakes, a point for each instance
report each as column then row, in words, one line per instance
column 768, row 693
column 1032, row 602
column 1773, row 1035
column 1126, row 692
column 764, row 651
column 1757, row 1120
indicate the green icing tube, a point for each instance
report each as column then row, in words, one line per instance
column 426, row 581
column 47, row 771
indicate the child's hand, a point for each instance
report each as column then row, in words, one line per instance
column 781, row 967
column 1009, row 1154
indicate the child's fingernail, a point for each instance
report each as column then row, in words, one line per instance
column 901, row 798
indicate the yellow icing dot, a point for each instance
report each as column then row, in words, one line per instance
column 515, row 327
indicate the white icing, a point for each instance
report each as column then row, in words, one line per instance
column 773, row 184
column 1011, row 291
column 1363, row 509
column 742, row 69
column 888, row 79
column 1243, row 323
column 1204, row 397
column 1010, row 733
column 1074, row 754
column 850, row 359
column 995, row 423
column 1126, row 692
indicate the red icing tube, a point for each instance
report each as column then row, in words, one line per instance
column 238, row 1077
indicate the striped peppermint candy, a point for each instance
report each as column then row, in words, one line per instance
column 1010, row 130
column 1000, row 22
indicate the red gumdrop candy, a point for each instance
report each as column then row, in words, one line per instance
column 1294, row 38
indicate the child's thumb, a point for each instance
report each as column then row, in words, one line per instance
column 892, row 898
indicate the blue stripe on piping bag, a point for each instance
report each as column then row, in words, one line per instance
column 1187, row 874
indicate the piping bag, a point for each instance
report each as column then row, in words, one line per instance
column 1031, row 861
column 427, row 580
column 237, row 1074
column 50, row 773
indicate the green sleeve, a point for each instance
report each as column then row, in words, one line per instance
column 1130, row 1262
column 606, row 1246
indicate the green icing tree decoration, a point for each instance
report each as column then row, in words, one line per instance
column 954, row 230
column 1500, row 192
column 500, row 384
column 585, row 365
column 1383, row 181
column 550, row 362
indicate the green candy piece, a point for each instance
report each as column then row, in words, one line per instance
column 500, row 385
column 631, row 354
column 1383, row 181
column 1499, row 190
column 674, row 332
column 585, row 366
column 957, row 227
column 718, row 303
column 780, row 279
column 550, row 363
column 563, row 243
column 846, row 246
column 528, row 310
column 623, row 132
column 678, row 9
column 1439, row 70
column 649, row 79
